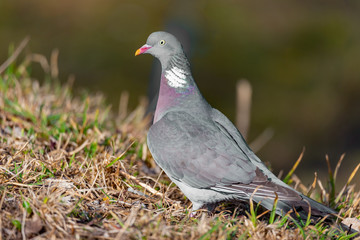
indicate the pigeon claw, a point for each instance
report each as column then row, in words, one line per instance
column 192, row 214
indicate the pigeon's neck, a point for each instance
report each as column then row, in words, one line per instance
column 178, row 90
column 178, row 60
column 177, row 72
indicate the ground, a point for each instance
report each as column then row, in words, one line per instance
column 73, row 168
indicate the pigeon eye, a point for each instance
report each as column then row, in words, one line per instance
column 162, row 42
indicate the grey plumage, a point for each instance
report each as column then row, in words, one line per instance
column 201, row 150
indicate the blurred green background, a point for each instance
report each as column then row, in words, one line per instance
column 301, row 57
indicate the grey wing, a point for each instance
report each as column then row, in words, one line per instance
column 197, row 152
column 265, row 182
column 229, row 129
column 209, row 154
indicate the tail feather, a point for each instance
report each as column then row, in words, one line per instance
column 318, row 208
column 300, row 208
column 303, row 208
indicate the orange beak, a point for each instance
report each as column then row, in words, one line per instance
column 143, row 49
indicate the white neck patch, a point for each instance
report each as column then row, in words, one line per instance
column 176, row 77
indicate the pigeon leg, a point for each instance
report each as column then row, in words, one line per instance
column 195, row 206
column 192, row 214
column 210, row 207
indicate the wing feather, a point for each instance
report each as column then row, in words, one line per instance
column 197, row 152
column 211, row 154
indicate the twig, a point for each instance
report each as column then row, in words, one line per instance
column 347, row 183
column 22, row 170
column 243, row 106
column 122, row 202
column 54, row 70
column 116, row 218
column 86, row 142
column 323, row 192
column 338, row 165
column 147, row 187
column 67, row 141
column 129, row 221
column 312, row 186
column 157, row 180
column 2, row 202
column 41, row 59
column 15, row 54
column 132, row 190
column 6, row 170
column 262, row 139
column 22, row 148
column 22, row 185
column 292, row 170
column 23, row 225
column 123, row 105
column 1, row 228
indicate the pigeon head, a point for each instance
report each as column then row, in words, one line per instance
column 161, row 45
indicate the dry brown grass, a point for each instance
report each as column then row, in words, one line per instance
column 72, row 169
